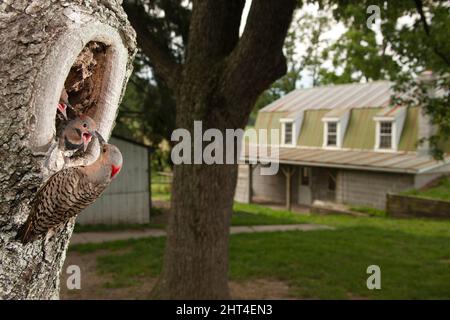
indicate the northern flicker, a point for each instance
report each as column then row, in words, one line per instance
column 65, row 108
column 76, row 135
column 68, row 192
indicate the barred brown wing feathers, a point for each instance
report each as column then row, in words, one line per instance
column 50, row 204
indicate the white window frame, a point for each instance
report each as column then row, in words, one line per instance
column 394, row 146
column 341, row 126
column 283, row 132
column 398, row 121
column 338, row 135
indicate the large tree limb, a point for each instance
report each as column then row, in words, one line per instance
column 258, row 55
column 214, row 29
column 159, row 54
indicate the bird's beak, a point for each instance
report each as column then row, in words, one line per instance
column 100, row 138
column 87, row 136
column 62, row 108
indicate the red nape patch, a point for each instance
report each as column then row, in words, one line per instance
column 114, row 170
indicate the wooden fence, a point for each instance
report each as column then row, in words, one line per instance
column 410, row 206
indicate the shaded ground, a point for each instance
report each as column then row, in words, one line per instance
column 413, row 255
column 97, row 286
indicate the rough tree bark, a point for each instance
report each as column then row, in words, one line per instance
column 40, row 41
column 219, row 82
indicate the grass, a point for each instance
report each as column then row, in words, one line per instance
column 252, row 215
column 160, row 186
column 160, row 191
column 440, row 192
column 244, row 215
column 413, row 254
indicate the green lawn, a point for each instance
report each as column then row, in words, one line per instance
column 252, row 215
column 413, row 254
column 160, row 191
column 244, row 215
column 440, row 192
column 160, row 186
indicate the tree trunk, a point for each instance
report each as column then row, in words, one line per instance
column 41, row 41
column 220, row 81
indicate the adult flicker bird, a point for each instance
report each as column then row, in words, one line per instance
column 68, row 192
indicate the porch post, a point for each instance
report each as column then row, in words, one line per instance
column 288, row 173
column 250, row 183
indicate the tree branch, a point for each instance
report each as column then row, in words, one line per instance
column 214, row 29
column 259, row 53
column 426, row 28
column 160, row 55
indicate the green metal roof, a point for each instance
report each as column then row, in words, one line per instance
column 408, row 139
column 311, row 133
column 360, row 133
column 269, row 120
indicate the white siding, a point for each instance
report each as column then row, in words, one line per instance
column 127, row 199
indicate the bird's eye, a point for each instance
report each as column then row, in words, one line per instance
column 84, row 125
column 104, row 150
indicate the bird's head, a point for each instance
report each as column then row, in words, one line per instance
column 111, row 158
column 85, row 128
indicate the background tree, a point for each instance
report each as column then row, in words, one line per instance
column 216, row 79
column 306, row 31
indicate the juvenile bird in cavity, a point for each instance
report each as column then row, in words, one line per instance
column 67, row 112
column 74, row 131
column 68, row 192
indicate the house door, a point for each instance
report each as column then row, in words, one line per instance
column 304, row 188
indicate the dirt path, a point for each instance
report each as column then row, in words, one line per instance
column 94, row 285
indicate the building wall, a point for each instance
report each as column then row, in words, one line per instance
column 368, row 188
column 127, row 199
column 268, row 188
column 353, row 187
column 319, row 185
column 241, row 194
column 264, row 188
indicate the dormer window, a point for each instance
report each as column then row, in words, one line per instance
column 334, row 126
column 290, row 129
column 288, row 133
column 385, row 135
column 331, row 134
column 389, row 126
